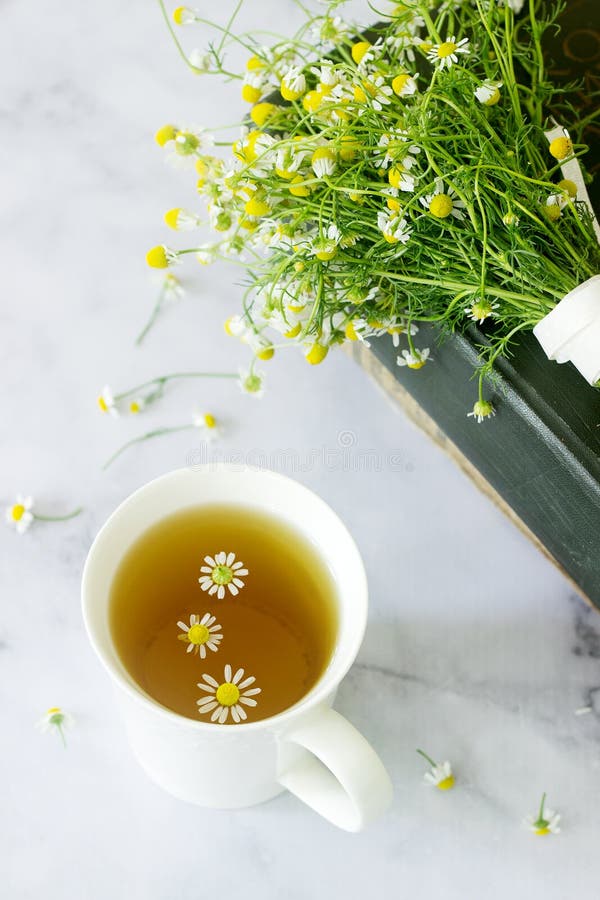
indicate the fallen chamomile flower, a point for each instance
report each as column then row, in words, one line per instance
column 56, row 719
column 488, row 93
column 20, row 515
column 252, row 382
column 106, row 402
column 208, row 425
column 440, row 774
column 546, row 821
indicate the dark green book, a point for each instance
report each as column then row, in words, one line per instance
column 541, row 454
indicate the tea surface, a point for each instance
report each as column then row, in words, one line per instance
column 264, row 584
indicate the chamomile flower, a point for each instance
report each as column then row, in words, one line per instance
column 229, row 696
column 189, row 143
column 324, row 247
column 439, row 775
column 444, row 201
column 480, row 310
column 414, row 359
column 374, row 91
column 136, row 406
column 208, row 425
column 323, row 161
column 222, row 571
column 400, row 328
column 200, row 61
column 329, row 29
column 482, row 409
column 106, row 402
column 201, row 634
column 403, row 85
column 180, row 219
column 183, row 15
column 252, row 382
column 546, row 821
column 55, row 719
column 394, row 227
column 444, row 55
column 293, row 84
column 20, row 514
column 488, row 93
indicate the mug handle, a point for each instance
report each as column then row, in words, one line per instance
column 340, row 777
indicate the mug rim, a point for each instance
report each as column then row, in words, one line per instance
column 336, row 669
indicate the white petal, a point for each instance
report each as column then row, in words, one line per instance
column 230, row 559
column 216, row 714
column 207, row 707
column 220, row 591
column 207, row 619
column 232, row 589
column 241, row 712
column 213, row 628
column 205, row 584
column 216, row 589
column 227, row 672
column 234, row 714
column 210, row 562
column 221, row 557
column 183, row 626
column 194, row 619
column 237, row 565
column 252, row 692
column 202, row 651
column 190, row 648
column 224, row 714
column 207, row 569
column 247, row 701
column 237, row 582
column 210, row 680
column 240, row 572
column 247, row 682
column 239, row 674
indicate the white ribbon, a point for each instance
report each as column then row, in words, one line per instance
column 571, row 331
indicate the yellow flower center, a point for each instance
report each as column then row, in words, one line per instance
column 53, row 710
column 266, row 353
column 156, row 258
column 440, row 206
column 298, row 188
column 257, row 207
column 198, row 634
column 317, row 354
column 399, row 83
column 210, row 421
column 448, row 782
column 359, row 49
column 102, row 404
column 17, row 512
column 542, row 830
column 560, row 147
column 254, row 63
column 446, row 49
column 134, row 407
column 493, row 98
column 312, row 101
column 261, row 112
column 221, row 575
column 351, row 332
column 227, row 694
column 418, row 364
column 165, row 134
column 293, row 332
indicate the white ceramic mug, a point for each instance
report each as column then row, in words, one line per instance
column 308, row 748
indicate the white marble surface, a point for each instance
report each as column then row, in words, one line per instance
column 476, row 647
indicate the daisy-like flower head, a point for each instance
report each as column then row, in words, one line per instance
column 399, row 328
column 207, row 424
column 221, row 572
column 200, row 61
column 136, row 406
column 444, row 55
column 546, row 821
column 330, row 29
column 323, row 161
column 180, row 219
column 482, row 409
column 20, row 514
column 510, row 219
column 55, row 719
column 106, row 402
column 414, row 359
column 394, row 227
column 183, row 15
column 374, row 91
column 325, row 246
column 293, row 84
column 201, row 634
column 191, row 141
column 488, row 93
column 561, row 147
column 161, row 257
column 439, row 775
column 480, row 310
column 252, row 382
column 403, row 85
column 444, row 202
column 230, row 696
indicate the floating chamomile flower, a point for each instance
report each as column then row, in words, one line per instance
column 183, row 15
column 161, row 257
column 480, row 310
column 482, row 409
column 414, row 359
column 220, row 572
column 20, row 515
column 546, row 821
column 106, row 402
column 252, row 382
column 400, row 328
column 55, row 719
column 443, row 202
column 208, row 425
column 201, row 634
column 445, row 54
column 136, row 406
column 180, row 219
column 230, row 696
column 440, row 775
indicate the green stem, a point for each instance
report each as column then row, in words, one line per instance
column 163, row 379
column 157, row 432
column 431, row 762
column 70, row 515
column 152, row 319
